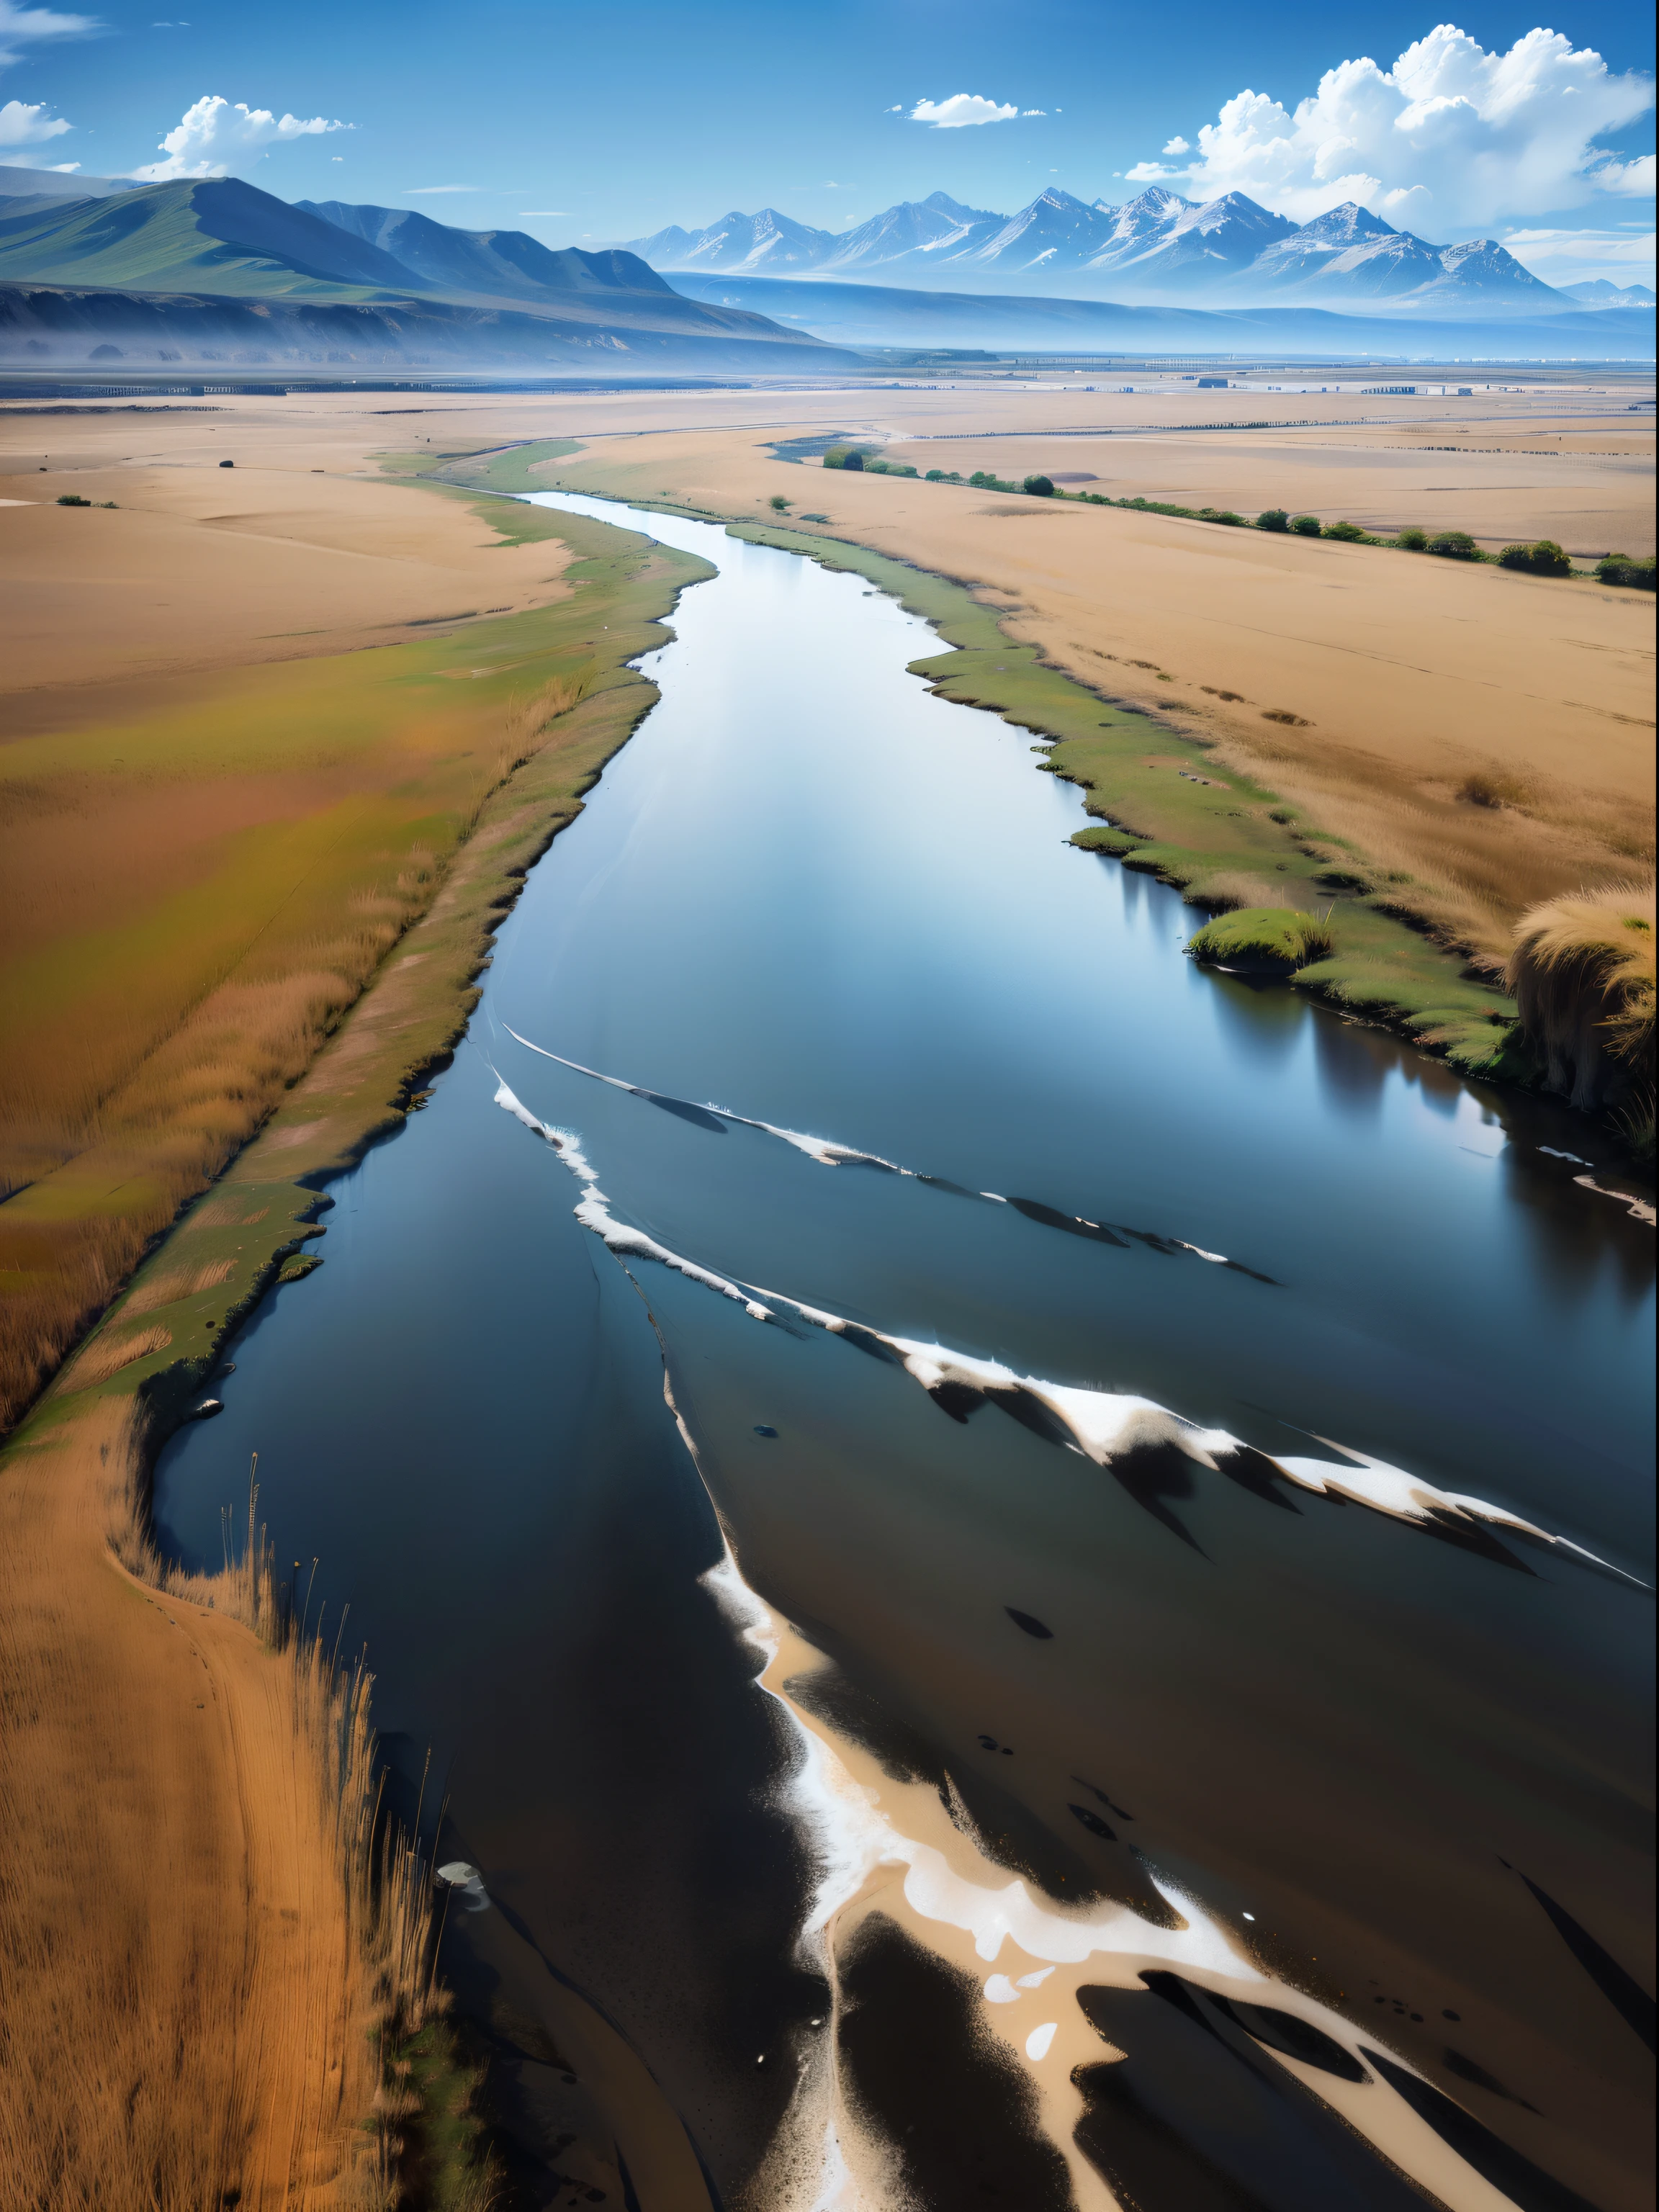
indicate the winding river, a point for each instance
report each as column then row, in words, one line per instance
column 1027, row 1570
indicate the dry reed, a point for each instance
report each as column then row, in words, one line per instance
column 108, row 1355
column 149, row 1090
column 178, row 1283
column 210, row 1940
column 1582, row 974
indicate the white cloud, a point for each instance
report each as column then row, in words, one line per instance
column 25, row 26
column 1568, row 257
column 426, row 191
column 1178, row 146
column 1451, row 139
column 1637, row 179
column 25, row 123
column 961, row 109
column 545, row 215
column 213, row 133
column 1034, row 111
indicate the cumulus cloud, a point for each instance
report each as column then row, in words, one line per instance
column 26, row 124
column 1451, row 138
column 961, row 108
column 1178, row 146
column 24, row 27
column 213, row 133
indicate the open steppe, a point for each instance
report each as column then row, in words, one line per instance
column 255, row 724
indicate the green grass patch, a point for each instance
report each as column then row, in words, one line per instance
column 1267, row 939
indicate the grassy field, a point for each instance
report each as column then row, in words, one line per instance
column 1483, row 738
column 1167, row 809
column 195, row 896
column 209, row 1970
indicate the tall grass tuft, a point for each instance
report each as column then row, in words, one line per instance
column 1581, row 971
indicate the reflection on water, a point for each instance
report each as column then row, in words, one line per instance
column 822, row 925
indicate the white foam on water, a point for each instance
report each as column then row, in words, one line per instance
column 849, row 1837
column 824, row 1150
column 593, row 1210
column 1102, row 1424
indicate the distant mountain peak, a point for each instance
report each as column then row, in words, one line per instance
column 1158, row 245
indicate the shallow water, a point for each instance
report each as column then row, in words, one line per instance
column 1395, row 1730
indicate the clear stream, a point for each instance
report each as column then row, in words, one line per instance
column 1413, row 1748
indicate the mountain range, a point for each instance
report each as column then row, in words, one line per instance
column 184, row 270
column 935, row 322
column 1159, row 247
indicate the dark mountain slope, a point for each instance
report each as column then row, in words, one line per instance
column 59, row 326
column 505, row 264
column 212, row 234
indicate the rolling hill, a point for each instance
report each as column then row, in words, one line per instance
column 96, row 275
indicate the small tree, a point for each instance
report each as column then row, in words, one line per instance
column 1039, row 487
column 1548, row 559
column 1349, row 532
column 1272, row 518
column 1305, row 525
column 1414, row 541
column 934, row 476
column 1455, row 545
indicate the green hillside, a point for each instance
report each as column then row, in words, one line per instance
column 214, row 234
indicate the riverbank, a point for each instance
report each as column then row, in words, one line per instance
column 1168, row 809
column 1484, row 735
column 188, row 1845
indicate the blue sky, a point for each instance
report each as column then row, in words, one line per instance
column 582, row 124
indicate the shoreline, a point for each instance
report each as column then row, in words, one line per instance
column 80, row 1570
column 1394, row 974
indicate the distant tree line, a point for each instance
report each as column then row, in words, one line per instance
column 1543, row 557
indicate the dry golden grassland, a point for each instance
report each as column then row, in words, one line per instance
column 1482, row 739
column 215, row 1984
column 196, row 893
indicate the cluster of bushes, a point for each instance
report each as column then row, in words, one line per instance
column 864, row 462
column 1544, row 557
column 1621, row 568
column 74, row 499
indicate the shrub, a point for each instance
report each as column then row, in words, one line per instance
column 1619, row 568
column 778, row 503
column 72, row 499
column 1582, row 974
column 1494, row 788
column 1412, row 541
column 1039, row 487
column 843, row 457
column 1305, row 525
column 1263, row 940
column 1349, row 532
column 1455, row 545
column 1272, row 518
column 1283, row 714
column 1546, row 558
column 934, row 476
column 1220, row 514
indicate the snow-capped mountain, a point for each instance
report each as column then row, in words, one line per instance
column 1055, row 232
column 1189, row 244
column 935, row 225
column 767, row 241
column 1157, row 247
